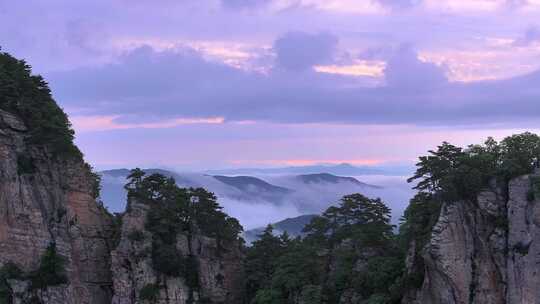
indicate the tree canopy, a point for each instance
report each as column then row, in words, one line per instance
column 352, row 246
column 181, row 209
column 356, row 231
column 452, row 173
column 29, row 97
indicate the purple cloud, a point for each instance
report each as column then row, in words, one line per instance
column 93, row 55
column 301, row 51
column 532, row 35
column 405, row 70
column 242, row 4
column 398, row 4
column 146, row 85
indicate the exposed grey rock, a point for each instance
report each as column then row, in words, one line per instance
column 53, row 203
column 220, row 270
column 523, row 244
column 11, row 121
column 484, row 251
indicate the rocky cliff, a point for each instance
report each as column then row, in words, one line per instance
column 48, row 201
column 484, row 251
column 58, row 244
column 219, row 266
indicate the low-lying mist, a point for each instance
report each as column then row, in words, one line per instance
column 256, row 205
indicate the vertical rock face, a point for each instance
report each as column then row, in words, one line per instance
column 44, row 200
column 486, row 251
column 220, row 274
column 523, row 244
column 47, row 199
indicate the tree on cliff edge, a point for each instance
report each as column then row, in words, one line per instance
column 29, row 97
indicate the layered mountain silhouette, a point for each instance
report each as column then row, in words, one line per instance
column 293, row 226
column 262, row 199
column 344, row 169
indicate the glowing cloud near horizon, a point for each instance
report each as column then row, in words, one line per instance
column 359, row 68
column 103, row 123
column 308, row 162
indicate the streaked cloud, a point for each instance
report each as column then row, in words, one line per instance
column 147, row 84
column 357, row 68
column 244, row 4
column 399, row 4
column 307, row 162
column 104, row 123
column 531, row 36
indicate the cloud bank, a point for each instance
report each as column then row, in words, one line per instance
column 146, row 85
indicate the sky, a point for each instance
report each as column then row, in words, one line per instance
column 206, row 84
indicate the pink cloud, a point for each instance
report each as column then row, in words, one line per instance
column 103, row 123
column 307, row 162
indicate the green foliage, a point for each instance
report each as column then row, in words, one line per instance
column 136, row 236
column 281, row 270
column 96, row 182
column 519, row 153
column 311, row 294
column 501, row 222
column 190, row 271
column 453, row 173
column 177, row 210
column 204, row 300
column 29, row 97
column 149, row 292
column 378, row 299
column 343, row 275
column 268, row 296
column 522, row 248
column 7, row 272
column 365, row 220
column 352, row 247
column 261, row 260
column 381, row 273
column 450, row 174
column 534, row 192
column 11, row 271
column 418, row 220
column 166, row 259
column 51, row 271
column 25, row 164
column 116, row 235
column 530, row 195
column 297, row 267
column 6, row 295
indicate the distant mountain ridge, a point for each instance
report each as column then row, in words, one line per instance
column 123, row 173
column 340, row 169
column 242, row 188
column 252, row 187
column 293, row 226
column 262, row 199
column 246, row 183
column 331, row 179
